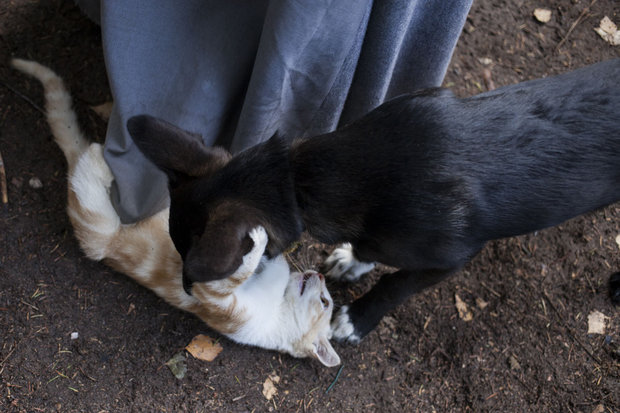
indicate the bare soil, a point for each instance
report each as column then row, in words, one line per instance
column 525, row 349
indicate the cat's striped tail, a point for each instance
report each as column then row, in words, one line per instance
column 92, row 215
column 60, row 116
column 144, row 250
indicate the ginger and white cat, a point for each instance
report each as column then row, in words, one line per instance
column 261, row 304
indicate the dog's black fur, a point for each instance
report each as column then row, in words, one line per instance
column 420, row 183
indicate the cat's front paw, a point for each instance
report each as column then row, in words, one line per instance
column 259, row 236
column 342, row 265
column 342, row 327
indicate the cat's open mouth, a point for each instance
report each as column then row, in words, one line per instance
column 305, row 279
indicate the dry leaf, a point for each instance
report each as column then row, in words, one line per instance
column 608, row 31
column 269, row 388
column 131, row 308
column 464, row 312
column 204, row 348
column 481, row 303
column 607, row 25
column 177, row 365
column 514, row 363
column 104, row 110
column 542, row 15
column 596, row 322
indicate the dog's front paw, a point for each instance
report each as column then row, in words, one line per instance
column 342, row 328
column 341, row 265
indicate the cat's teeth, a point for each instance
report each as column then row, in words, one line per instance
column 304, row 279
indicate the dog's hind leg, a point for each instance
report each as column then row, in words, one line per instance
column 342, row 265
column 354, row 321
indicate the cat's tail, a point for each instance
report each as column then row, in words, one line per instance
column 94, row 219
column 143, row 250
column 60, row 116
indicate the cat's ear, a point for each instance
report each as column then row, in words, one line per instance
column 323, row 351
column 180, row 154
column 220, row 250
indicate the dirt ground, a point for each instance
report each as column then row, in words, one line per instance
column 525, row 349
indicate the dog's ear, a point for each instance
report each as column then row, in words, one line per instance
column 180, row 154
column 220, row 250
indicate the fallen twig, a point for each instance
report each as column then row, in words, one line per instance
column 21, row 95
column 557, row 313
column 488, row 79
column 3, row 189
column 11, row 350
column 575, row 23
column 335, row 380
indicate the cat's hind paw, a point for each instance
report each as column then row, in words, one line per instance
column 342, row 328
column 342, row 265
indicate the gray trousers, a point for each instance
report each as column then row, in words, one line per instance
column 237, row 71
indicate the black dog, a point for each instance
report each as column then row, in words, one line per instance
column 420, row 183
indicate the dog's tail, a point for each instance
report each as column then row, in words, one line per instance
column 60, row 115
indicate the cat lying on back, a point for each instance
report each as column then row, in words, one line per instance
column 259, row 304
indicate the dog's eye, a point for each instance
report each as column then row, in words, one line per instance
column 324, row 301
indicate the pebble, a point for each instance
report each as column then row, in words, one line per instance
column 35, row 183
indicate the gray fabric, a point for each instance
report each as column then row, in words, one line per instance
column 236, row 72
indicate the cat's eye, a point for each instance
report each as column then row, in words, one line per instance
column 324, row 301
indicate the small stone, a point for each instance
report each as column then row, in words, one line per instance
column 542, row 15
column 17, row 182
column 35, row 183
column 74, row 335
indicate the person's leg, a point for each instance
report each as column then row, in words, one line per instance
column 236, row 75
column 408, row 46
column 187, row 62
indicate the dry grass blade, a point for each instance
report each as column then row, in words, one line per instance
column 575, row 23
column 3, row 189
column 24, row 97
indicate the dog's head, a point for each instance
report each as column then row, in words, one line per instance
column 215, row 200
